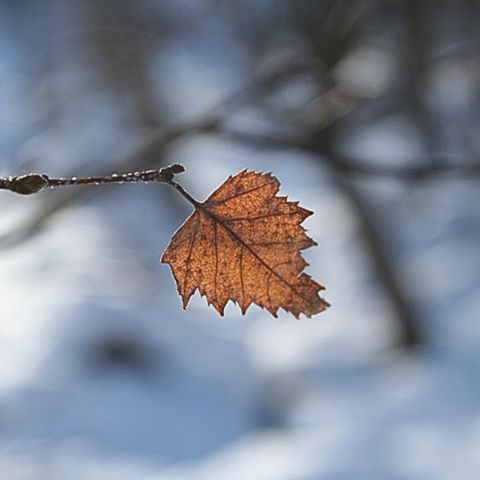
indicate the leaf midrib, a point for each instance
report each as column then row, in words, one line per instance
column 237, row 237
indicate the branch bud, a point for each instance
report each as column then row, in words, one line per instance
column 169, row 172
column 28, row 184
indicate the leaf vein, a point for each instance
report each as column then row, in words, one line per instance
column 189, row 257
column 261, row 217
column 241, row 276
column 216, row 257
column 236, row 195
column 288, row 243
column 255, row 254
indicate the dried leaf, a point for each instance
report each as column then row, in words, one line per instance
column 243, row 244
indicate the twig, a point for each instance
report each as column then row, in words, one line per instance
column 35, row 182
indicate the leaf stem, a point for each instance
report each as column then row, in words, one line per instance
column 185, row 194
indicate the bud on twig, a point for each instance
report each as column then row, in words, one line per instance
column 27, row 184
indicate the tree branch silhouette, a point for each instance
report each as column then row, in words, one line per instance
column 428, row 170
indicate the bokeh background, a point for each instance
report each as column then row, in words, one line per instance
column 368, row 113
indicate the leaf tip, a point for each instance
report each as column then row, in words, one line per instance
column 185, row 300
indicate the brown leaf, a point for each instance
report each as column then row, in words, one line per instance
column 243, row 244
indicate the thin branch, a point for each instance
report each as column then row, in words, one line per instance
column 36, row 182
column 349, row 166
